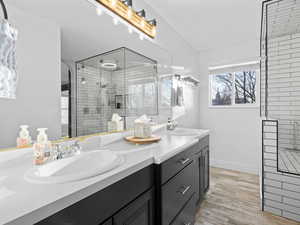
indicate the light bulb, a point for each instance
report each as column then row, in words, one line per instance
column 113, row 2
column 141, row 37
column 99, row 11
column 130, row 30
column 116, row 21
column 129, row 13
column 154, row 31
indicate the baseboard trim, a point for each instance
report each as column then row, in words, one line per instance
column 234, row 166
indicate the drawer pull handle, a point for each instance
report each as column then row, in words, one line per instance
column 184, row 161
column 187, row 224
column 185, row 190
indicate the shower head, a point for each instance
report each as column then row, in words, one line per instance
column 108, row 64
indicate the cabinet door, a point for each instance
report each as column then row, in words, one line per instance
column 108, row 222
column 197, row 178
column 206, row 170
column 139, row 212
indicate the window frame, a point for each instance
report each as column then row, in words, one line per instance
column 233, row 104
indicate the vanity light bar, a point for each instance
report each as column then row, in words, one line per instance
column 124, row 11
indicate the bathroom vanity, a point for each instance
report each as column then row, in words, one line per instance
column 157, row 184
column 159, row 194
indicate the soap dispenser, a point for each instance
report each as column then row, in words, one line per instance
column 24, row 139
column 42, row 147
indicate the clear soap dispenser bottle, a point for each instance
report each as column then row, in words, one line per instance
column 42, row 147
column 24, row 139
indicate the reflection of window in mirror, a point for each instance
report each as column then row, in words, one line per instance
column 142, row 96
column 165, row 85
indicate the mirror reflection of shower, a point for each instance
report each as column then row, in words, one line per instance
column 113, row 89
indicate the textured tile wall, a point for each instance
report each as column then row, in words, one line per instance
column 281, row 191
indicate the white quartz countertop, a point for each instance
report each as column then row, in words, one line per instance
column 22, row 202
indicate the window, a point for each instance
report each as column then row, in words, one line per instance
column 141, row 97
column 235, row 87
column 165, row 95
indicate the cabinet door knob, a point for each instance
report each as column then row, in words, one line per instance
column 185, row 190
column 184, row 161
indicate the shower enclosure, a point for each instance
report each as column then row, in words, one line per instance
column 280, row 84
column 280, row 107
column 121, row 82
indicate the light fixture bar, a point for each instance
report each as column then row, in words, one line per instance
column 124, row 11
column 233, row 65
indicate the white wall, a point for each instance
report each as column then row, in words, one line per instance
column 38, row 92
column 235, row 132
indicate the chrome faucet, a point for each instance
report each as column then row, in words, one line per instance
column 172, row 124
column 65, row 149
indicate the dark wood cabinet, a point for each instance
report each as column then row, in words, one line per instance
column 187, row 214
column 205, row 164
column 139, row 212
column 108, row 222
column 202, row 178
column 175, row 187
column 104, row 204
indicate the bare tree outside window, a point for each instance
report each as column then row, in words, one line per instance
column 222, row 89
column 238, row 88
column 245, row 87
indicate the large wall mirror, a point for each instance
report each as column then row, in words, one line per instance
column 86, row 80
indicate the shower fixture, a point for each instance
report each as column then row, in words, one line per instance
column 83, row 81
column 108, row 64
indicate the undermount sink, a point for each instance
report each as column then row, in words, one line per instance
column 184, row 132
column 82, row 166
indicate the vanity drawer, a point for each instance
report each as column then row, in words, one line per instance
column 176, row 192
column 172, row 166
column 187, row 215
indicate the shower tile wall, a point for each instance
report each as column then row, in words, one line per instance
column 93, row 104
column 281, row 191
column 284, row 87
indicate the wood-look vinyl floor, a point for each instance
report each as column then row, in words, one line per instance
column 233, row 199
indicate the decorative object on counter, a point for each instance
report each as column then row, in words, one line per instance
column 171, row 124
column 142, row 127
column 123, row 12
column 149, row 140
column 24, row 139
column 8, row 74
column 42, row 148
column 116, row 123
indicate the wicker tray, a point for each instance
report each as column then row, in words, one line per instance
column 143, row 140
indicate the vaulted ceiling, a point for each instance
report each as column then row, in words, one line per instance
column 208, row 24
column 204, row 24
